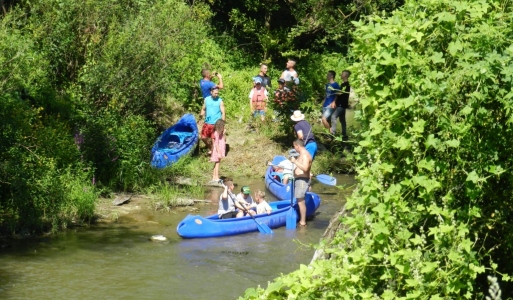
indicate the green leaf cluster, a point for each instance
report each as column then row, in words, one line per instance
column 431, row 213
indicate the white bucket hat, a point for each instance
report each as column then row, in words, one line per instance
column 297, row 116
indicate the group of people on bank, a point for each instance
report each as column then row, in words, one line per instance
column 305, row 147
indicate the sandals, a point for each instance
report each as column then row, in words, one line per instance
column 302, row 225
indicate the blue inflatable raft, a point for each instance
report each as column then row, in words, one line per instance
column 194, row 226
column 175, row 142
column 278, row 189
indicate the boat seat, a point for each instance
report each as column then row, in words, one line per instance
column 180, row 136
column 277, row 174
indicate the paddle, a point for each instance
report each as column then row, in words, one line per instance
column 291, row 220
column 263, row 228
column 326, row 179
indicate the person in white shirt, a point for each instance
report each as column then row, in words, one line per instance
column 261, row 205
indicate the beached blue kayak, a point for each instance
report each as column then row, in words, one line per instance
column 194, row 226
column 175, row 142
column 278, row 189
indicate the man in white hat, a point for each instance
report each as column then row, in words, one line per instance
column 304, row 132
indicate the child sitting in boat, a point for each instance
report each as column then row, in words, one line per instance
column 245, row 202
column 261, row 205
column 284, row 170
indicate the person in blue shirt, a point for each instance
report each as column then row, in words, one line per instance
column 328, row 107
column 341, row 104
column 212, row 110
column 206, row 83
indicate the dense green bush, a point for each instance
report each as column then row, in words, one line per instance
column 431, row 214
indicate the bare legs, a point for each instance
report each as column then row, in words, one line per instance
column 215, row 173
column 208, row 144
column 302, row 211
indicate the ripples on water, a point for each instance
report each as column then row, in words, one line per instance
column 118, row 261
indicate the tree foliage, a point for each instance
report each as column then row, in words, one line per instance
column 293, row 28
column 430, row 216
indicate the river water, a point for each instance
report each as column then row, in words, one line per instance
column 117, row 261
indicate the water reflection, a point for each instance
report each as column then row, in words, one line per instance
column 118, row 260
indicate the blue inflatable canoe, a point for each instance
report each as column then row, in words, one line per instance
column 278, row 189
column 204, row 227
column 175, row 142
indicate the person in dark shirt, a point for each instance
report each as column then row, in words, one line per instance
column 206, row 83
column 266, row 80
column 341, row 104
column 304, row 132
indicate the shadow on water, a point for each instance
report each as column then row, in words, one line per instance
column 118, row 261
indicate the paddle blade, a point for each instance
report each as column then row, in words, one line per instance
column 263, row 228
column 326, row 179
column 291, row 218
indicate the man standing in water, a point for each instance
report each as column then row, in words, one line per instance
column 301, row 178
column 266, row 80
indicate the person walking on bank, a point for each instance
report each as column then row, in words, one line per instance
column 301, row 178
column 328, row 107
column 304, row 132
column 266, row 80
column 341, row 104
column 206, row 83
column 212, row 110
column 219, row 147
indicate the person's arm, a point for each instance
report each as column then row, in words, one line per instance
column 332, row 104
column 300, row 163
column 251, row 102
column 202, row 113
column 268, row 208
column 220, row 85
column 223, row 114
column 224, row 195
column 300, row 134
column 239, row 203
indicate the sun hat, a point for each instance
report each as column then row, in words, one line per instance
column 246, row 190
column 297, row 116
column 257, row 80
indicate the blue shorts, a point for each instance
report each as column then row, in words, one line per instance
column 327, row 112
column 258, row 112
column 311, row 147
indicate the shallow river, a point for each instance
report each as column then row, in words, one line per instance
column 117, row 261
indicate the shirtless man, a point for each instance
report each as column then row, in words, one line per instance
column 290, row 74
column 301, row 177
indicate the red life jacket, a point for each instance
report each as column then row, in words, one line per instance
column 258, row 98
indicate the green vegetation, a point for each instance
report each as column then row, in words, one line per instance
column 87, row 86
column 430, row 217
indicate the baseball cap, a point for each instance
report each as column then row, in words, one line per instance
column 246, row 190
column 281, row 80
column 257, row 80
